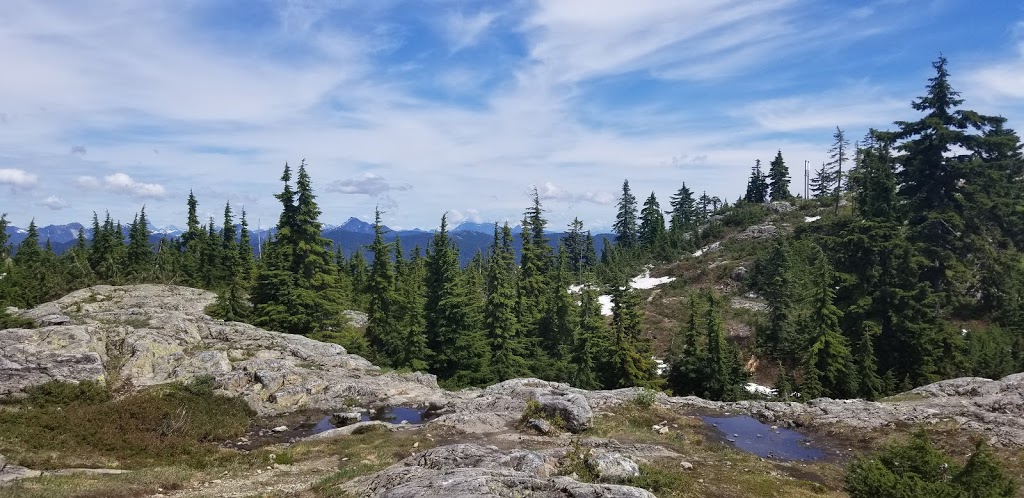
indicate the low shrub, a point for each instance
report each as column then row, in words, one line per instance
column 916, row 469
column 79, row 425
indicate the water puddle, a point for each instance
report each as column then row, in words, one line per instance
column 750, row 435
column 392, row 414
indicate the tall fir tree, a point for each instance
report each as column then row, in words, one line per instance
column 684, row 210
column 625, row 227
column 839, row 154
column 652, row 224
column 508, row 350
column 823, row 182
column 590, row 342
column 631, row 363
column 778, row 179
column 297, row 286
column 757, row 185
column 827, row 361
column 382, row 329
column 535, row 265
column 460, row 352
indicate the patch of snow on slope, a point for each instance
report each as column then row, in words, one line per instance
column 606, row 304
column 759, row 389
column 660, row 366
column 645, row 281
column 706, row 249
column 810, row 219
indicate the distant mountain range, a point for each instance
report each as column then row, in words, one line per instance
column 352, row 235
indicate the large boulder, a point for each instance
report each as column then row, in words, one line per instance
column 470, row 470
column 571, row 408
column 154, row 334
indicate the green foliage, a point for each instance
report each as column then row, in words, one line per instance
column 757, row 186
column 297, row 287
column 778, row 179
column 58, row 393
column 645, row 398
column 65, row 425
column 625, row 227
column 916, row 469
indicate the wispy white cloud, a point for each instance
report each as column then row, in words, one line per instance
column 18, row 178
column 122, row 183
column 551, row 192
column 857, row 106
column 54, row 203
column 368, row 184
column 464, row 31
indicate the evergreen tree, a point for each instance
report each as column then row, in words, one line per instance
column 140, row 254
column 828, row 359
column 460, row 351
column 625, row 221
column 631, row 363
column 839, row 154
column 579, row 256
column 296, row 287
column 933, row 181
column 688, row 361
column 535, row 265
column 410, row 300
column 873, row 181
column 774, row 272
column 757, row 186
column 684, row 210
column 246, row 263
column 778, row 179
column 870, row 384
column 590, row 342
column 508, row 351
column 386, row 340
column 724, row 371
column 5, row 240
column 823, row 183
column 652, row 224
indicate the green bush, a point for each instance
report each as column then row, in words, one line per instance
column 59, row 393
column 916, row 469
column 75, row 426
column 7, row 321
column 645, row 398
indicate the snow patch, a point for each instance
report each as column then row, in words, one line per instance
column 606, row 304
column 811, row 219
column 660, row 366
column 759, row 389
column 645, row 281
column 706, row 249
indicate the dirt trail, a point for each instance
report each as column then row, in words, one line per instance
column 273, row 480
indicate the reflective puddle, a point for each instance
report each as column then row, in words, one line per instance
column 750, row 435
column 392, row 414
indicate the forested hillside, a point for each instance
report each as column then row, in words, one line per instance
column 920, row 233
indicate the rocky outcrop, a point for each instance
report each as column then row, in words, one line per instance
column 992, row 408
column 763, row 231
column 495, row 408
column 144, row 335
column 571, row 408
column 463, row 470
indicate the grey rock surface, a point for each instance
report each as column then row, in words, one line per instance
column 611, row 466
column 780, row 207
column 154, row 334
column 471, row 470
column 572, row 408
column 763, row 231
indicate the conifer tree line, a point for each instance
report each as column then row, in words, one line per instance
column 913, row 274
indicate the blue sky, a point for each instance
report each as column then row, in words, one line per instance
column 426, row 107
